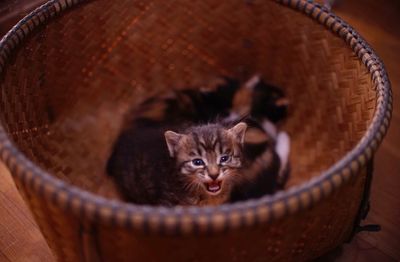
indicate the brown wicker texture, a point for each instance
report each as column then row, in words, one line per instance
column 70, row 70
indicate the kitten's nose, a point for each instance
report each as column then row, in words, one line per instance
column 213, row 176
column 213, row 173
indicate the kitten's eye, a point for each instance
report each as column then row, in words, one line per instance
column 198, row 162
column 224, row 159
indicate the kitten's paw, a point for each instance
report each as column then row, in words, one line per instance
column 282, row 147
column 270, row 128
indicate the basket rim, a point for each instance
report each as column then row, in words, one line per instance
column 202, row 220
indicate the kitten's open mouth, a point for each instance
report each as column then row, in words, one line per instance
column 213, row 187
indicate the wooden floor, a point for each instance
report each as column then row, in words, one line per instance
column 379, row 22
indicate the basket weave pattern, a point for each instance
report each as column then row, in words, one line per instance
column 65, row 90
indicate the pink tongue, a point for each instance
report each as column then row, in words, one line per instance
column 213, row 187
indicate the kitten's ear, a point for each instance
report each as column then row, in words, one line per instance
column 172, row 140
column 239, row 131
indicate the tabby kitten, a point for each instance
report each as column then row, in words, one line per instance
column 209, row 159
column 198, row 166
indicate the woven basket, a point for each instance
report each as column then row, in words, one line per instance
column 71, row 69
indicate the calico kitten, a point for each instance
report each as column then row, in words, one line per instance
column 228, row 100
column 260, row 100
column 264, row 107
column 198, row 166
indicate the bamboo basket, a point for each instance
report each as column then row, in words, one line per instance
column 71, row 69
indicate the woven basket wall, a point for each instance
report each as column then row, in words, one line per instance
column 72, row 68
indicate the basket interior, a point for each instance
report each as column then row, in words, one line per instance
column 67, row 88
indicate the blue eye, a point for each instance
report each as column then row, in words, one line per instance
column 224, row 159
column 198, row 162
